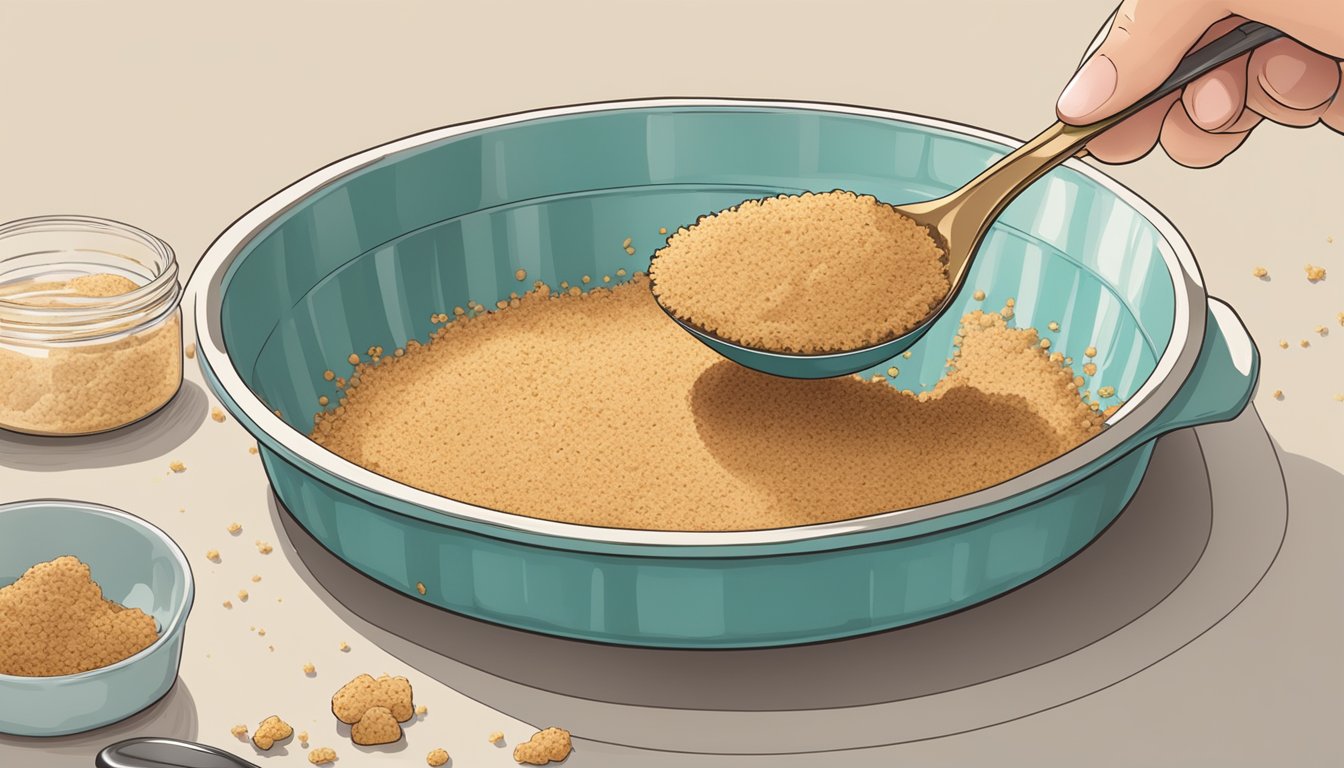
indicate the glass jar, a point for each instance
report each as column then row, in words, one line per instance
column 90, row 325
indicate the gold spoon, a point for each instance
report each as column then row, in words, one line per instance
column 959, row 221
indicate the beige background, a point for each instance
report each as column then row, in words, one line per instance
column 179, row 116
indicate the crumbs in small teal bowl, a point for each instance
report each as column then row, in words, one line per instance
column 61, row 678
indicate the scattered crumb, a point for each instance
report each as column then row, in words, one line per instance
column 239, row 730
column 1090, row 369
column 235, row 528
column 177, row 466
column 1090, row 352
column 228, row 603
column 586, row 279
column 264, row 547
column 520, row 275
column 252, row 449
column 217, row 415
column 1283, row 343
column 1106, row 392
column 303, row 738
column 261, row 631
column 242, row 595
column 256, row 577
column 1260, row 272
column 271, row 730
column 551, row 745
column 309, row 669
column 496, row 738
column 343, row 647
column 1278, row 394
column 1045, row 343
column 420, row 587
column 1322, row 330
column 1052, row 325
column 436, row 757
column 212, row 555
column 323, row 401
column 421, row 710
column 893, row 371
column 1339, row 398
column 353, row 359
column 322, row 755
column 1315, row 274
column 190, row 351
column 662, row 230
column 1304, row 343
column 627, row 242
column 978, row 295
column 630, row 251
column 329, row 375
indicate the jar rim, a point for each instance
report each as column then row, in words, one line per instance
column 93, row 317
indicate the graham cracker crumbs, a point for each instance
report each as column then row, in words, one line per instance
column 242, row 595
column 1090, row 369
column 270, row 731
column 1052, row 325
column 1278, row 394
column 55, row 621
column 551, row 745
column 627, row 242
column 353, row 359
column 810, row 273
column 586, row 279
column 217, row 415
column 893, row 372
column 303, row 738
column 420, row 587
column 309, row 669
column 1260, row 272
column 256, row 577
column 239, row 730
column 1304, row 343
column 344, row 647
column 190, row 351
column 263, row 547
column 177, row 466
column 1340, row 318
column 1283, row 343
column 322, row 756
column 261, row 631
column 1339, row 397
column 377, row 726
column 228, row 603
column 329, row 375
column 520, row 275
column 421, row 710
column 978, row 295
column 1106, row 392
column 252, row 449
column 212, row 555
column 1321, row 330
column 235, row 528
column 662, row 230
column 1045, row 343
column 496, row 738
column 760, row 452
column 630, row 251
column 436, row 757
column 374, row 708
column 323, row 400
column 1090, row 352
column 1315, row 274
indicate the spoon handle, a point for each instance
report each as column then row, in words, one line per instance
column 166, row 753
column 978, row 203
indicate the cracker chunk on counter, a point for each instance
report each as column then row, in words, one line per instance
column 270, row 731
column 550, row 745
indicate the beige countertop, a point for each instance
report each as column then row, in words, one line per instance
column 179, row 117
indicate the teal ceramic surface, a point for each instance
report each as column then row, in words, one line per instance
column 363, row 252
column 136, row 565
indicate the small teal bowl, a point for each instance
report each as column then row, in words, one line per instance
column 364, row 251
column 136, row 565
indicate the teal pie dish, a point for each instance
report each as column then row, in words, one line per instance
column 135, row 564
column 365, row 250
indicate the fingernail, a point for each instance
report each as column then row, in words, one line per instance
column 1212, row 104
column 1089, row 89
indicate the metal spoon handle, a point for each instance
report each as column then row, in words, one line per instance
column 976, row 205
column 166, row 753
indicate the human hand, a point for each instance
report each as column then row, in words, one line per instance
column 1295, row 81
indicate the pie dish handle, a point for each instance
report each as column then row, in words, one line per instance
column 1222, row 380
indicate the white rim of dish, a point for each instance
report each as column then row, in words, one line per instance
column 171, row 627
column 1141, row 408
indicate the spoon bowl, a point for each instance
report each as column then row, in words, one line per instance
column 958, row 222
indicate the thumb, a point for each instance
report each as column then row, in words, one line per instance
column 1145, row 42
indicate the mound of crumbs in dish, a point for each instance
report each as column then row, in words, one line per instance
column 54, row 620
column 802, row 274
column 595, row 409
